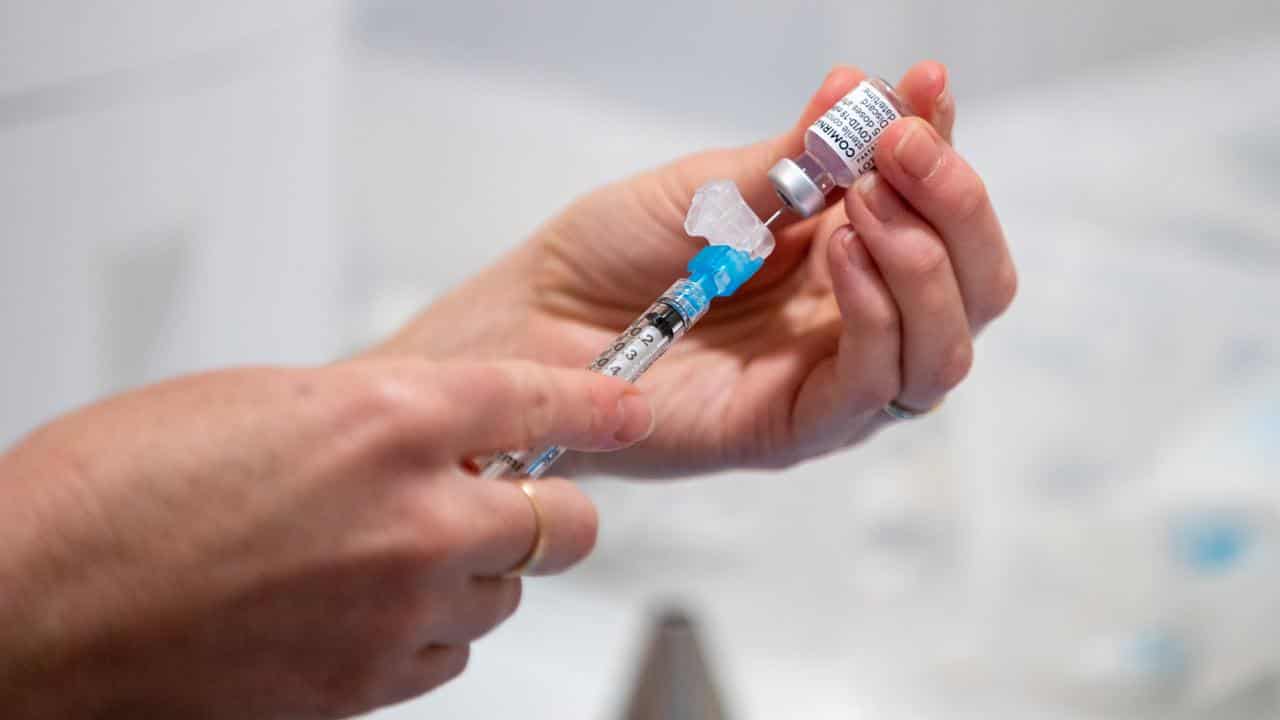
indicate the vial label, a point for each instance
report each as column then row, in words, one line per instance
column 851, row 126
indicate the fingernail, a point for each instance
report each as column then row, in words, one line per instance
column 826, row 79
column 918, row 152
column 831, row 79
column 878, row 197
column 843, row 237
column 637, row 418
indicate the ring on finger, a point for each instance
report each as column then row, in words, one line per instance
column 897, row 411
column 529, row 563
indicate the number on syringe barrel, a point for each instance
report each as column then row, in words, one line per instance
column 616, row 346
column 631, row 352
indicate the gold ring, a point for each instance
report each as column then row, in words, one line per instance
column 530, row 561
column 897, row 411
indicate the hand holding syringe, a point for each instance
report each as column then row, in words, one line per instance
column 838, row 148
column 717, row 271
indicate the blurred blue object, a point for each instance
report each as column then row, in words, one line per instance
column 1212, row 541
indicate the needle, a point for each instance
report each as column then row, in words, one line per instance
column 772, row 217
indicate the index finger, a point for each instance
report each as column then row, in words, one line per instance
column 518, row 405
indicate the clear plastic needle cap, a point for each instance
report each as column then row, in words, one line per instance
column 721, row 215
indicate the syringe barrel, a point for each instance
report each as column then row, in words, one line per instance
column 627, row 357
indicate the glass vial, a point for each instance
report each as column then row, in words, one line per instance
column 838, row 147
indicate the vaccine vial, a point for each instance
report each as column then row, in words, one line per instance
column 838, row 147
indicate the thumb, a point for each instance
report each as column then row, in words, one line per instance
column 523, row 405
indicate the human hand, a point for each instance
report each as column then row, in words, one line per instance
column 876, row 299
column 268, row 543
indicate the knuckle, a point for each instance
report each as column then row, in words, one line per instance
column 436, row 533
column 877, row 392
column 925, row 260
column 996, row 298
column 1006, row 289
column 440, row 543
column 443, row 663
column 395, row 408
column 498, row 607
column 970, row 197
column 401, row 613
column 585, row 531
column 937, row 302
column 882, row 392
column 883, row 318
column 955, row 366
column 539, row 411
column 402, row 600
column 454, row 662
column 514, row 595
column 603, row 398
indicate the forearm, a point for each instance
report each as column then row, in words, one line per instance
column 40, row 675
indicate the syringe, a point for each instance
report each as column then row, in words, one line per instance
column 716, row 271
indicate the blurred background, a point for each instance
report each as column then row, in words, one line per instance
column 1089, row 530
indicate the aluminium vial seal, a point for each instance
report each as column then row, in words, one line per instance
column 796, row 188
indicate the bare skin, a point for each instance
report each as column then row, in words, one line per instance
column 282, row 543
column 300, row 542
column 878, row 298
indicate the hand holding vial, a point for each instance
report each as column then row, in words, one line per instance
column 873, row 300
